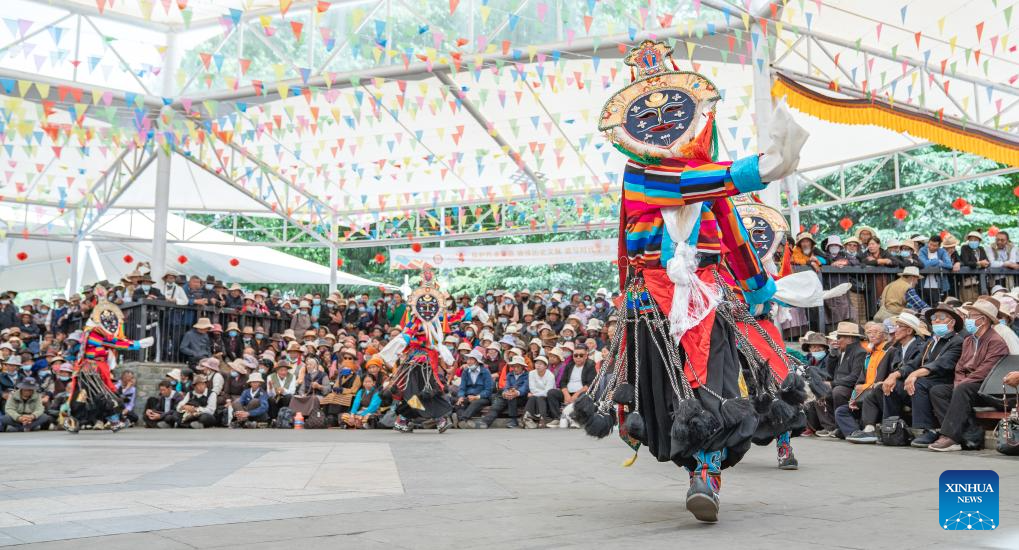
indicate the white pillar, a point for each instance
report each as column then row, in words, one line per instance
column 163, row 160
column 74, row 279
column 161, row 213
column 333, row 269
column 762, row 103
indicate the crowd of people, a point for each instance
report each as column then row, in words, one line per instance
column 523, row 356
column 520, row 356
column 887, row 276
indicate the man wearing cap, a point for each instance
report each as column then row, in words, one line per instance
column 253, row 405
column 195, row 345
column 512, row 398
column 982, row 349
column 844, row 371
column 281, row 386
column 974, row 256
column 198, row 407
column 161, row 409
column 901, row 294
column 919, row 366
column 24, row 411
column 475, row 389
column 170, row 290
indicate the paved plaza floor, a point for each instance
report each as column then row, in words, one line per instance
column 152, row 490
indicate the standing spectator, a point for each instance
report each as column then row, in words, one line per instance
column 907, row 254
column 195, row 345
column 1001, row 252
column 865, row 234
column 235, row 297
column 805, row 255
column 973, row 255
column 900, row 295
column 301, row 321
column 161, row 409
column 198, row 407
column 539, row 382
column 475, row 389
column 145, row 290
column 982, row 348
column 24, row 411
column 512, row 397
column 170, row 290
column 933, row 256
column 8, row 311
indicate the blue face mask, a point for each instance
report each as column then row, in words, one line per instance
column 971, row 326
column 232, row 333
column 904, row 253
column 259, row 336
column 1002, row 321
column 940, row 329
column 973, row 244
column 208, row 287
column 146, row 288
column 819, row 355
column 64, row 378
column 26, row 368
column 234, row 374
column 316, row 301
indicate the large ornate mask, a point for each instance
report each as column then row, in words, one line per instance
column 661, row 110
column 107, row 317
column 765, row 225
column 426, row 302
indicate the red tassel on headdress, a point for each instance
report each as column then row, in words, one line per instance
column 674, row 66
column 700, row 147
column 633, row 75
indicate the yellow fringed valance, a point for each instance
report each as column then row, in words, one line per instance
column 879, row 113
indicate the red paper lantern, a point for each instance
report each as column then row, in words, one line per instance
column 234, row 262
column 967, row 210
column 182, row 259
column 128, row 258
column 813, row 229
column 959, row 203
column 845, row 224
column 21, row 256
column 992, row 231
column 416, row 247
column 339, row 262
column 900, row 214
column 1016, row 190
column 380, row 258
column 67, row 259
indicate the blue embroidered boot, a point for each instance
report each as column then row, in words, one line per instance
column 705, row 482
column 786, row 459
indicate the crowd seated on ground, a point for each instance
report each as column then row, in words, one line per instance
column 520, row 361
column 324, row 367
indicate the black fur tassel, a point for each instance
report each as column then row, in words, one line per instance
column 734, row 411
column 703, row 427
column 635, row 426
column 679, row 435
column 794, row 390
column 781, row 413
column 687, row 410
column 583, row 409
column 624, row 394
column 599, row 425
column 762, row 404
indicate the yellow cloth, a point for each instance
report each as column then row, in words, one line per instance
column 873, row 360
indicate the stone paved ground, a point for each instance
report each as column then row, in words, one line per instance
column 146, row 489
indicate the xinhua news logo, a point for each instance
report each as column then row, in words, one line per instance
column 969, row 500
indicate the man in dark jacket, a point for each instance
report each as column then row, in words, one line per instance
column 844, row 370
column 972, row 255
column 195, row 345
column 512, row 398
column 926, row 365
column 982, row 349
column 161, row 409
column 145, row 290
column 573, row 377
column 8, row 312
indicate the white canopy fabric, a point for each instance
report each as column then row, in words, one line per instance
column 47, row 264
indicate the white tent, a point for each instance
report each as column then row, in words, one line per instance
column 47, row 264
